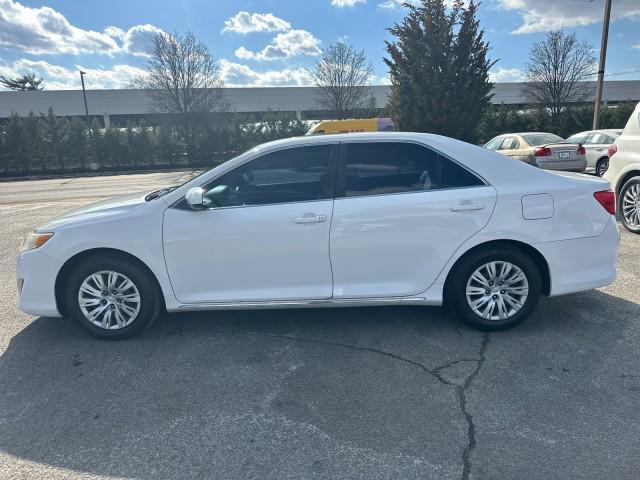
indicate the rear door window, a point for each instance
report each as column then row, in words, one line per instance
column 510, row 143
column 396, row 167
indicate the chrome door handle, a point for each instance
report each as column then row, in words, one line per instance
column 311, row 219
column 466, row 207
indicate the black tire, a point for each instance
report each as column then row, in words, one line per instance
column 148, row 293
column 456, row 297
column 602, row 166
column 632, row 227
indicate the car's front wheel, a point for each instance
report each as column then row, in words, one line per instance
column 111, row 297
column 629, row 205
column 494, row 288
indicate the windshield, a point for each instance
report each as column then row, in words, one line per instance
column 537, row 139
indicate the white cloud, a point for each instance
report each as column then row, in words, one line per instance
column 284, row 45
column 57, row 77
column 245, row 22
column 44, row 30
column 346, row 3
column 381, row 80
column 115, row 32
column 391, row 4
column 507, row 75
column 238, row 75
column 137, row 40
column 545, row 15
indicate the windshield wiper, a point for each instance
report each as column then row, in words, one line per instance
column 160, row 193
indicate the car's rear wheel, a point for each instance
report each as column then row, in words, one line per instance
column 602, row 166
column 494, row 288
column 110, row 297
column 629, row 204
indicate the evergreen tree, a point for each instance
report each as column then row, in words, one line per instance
column 28, row 82
column 75, row 144
column 54, row 131
column 439, row 70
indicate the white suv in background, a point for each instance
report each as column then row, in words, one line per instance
column 624, row 172
column 596, row 145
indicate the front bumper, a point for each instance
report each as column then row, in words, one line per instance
column 36, row 273
column 582, row 263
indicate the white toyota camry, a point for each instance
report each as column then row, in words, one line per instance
column 342, row 220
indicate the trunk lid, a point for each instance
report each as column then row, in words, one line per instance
column 563, row 151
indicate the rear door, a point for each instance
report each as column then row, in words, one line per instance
column 401, row 211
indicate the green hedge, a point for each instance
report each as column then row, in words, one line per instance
column 508, row 119
column 47, row 144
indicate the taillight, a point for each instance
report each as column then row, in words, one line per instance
column 542, row 152
column 607, row 199
column 581, row 150
column 613, row 148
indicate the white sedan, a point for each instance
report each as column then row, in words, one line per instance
column 342, row 220
column 596, row 144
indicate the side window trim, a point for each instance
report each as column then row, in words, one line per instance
column 340, row 189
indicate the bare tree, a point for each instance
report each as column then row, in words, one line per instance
column 342, row 77
column 183, row 79
column 28, row 82
column 557, row 67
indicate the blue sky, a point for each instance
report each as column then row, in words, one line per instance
column 269, row 42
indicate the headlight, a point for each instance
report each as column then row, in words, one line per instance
column 35, row 240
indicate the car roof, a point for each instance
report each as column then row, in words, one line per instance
column 524, row 133
column 616, row 131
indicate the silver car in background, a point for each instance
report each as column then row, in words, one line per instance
column 596, row 144
column 544, row 150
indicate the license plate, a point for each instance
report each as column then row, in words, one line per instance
column 564, row 154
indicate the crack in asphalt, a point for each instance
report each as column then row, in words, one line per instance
column 462, row 396
column 461, row 390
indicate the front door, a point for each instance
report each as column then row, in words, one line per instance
column 263, row 235
column 400, row 213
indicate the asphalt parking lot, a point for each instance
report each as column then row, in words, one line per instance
column 371, row 393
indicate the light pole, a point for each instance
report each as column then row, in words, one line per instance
column 603, row 56
column 84, row 94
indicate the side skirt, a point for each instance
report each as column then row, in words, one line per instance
column 330, row 302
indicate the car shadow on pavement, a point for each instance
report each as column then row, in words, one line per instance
column 273, row 393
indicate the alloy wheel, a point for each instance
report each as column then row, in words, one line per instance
column 631, row 205
column 603, row 166
column 109, row 300
column 497, row 290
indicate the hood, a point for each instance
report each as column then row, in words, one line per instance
column 97, row 211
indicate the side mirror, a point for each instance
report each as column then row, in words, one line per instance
column 195, row 198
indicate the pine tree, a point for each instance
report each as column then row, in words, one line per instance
column 439, row 70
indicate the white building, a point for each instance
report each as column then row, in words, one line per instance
column 123, row 103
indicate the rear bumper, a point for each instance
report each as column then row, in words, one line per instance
column 36, row 273
column 582, row 263
column 574, row 165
